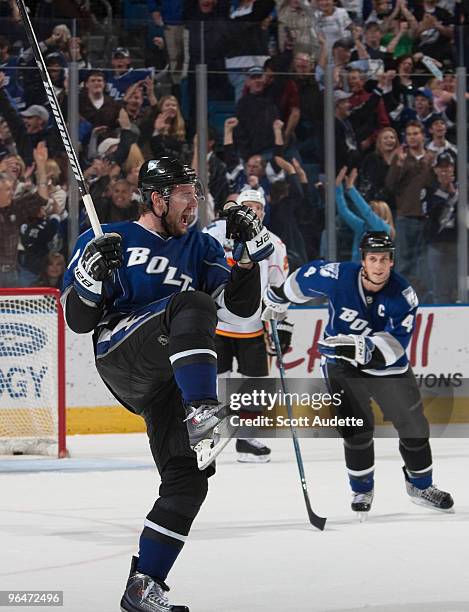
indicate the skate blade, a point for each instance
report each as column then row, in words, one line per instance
column 421, row 502
column 208, row 450
column 172, row 608
column 362, row 516
column 248, row 458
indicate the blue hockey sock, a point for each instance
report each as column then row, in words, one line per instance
column 195, row 372
column 421, row 480
column 363, row 483
column 160, row 546
column 157, row 558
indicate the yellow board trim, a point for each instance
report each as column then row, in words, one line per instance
column 115, row 419
column 103, row 419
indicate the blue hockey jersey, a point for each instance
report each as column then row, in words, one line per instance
column 155, row 268
column 386, row 316
column 11, row 82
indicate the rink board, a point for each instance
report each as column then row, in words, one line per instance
column 439, row 354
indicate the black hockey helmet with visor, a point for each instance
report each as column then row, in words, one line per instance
column 163, row 175
column 377, row 242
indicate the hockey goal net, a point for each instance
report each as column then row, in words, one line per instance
column 32, row 372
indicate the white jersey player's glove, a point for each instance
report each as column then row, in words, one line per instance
column 100, row 257
column 252, row 240
column 350, row 347
column 285, row 332
column 276, row 305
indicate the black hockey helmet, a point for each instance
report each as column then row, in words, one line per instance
column 376, row 242
column 162, row 175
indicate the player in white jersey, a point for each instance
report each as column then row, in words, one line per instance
column 245, row 340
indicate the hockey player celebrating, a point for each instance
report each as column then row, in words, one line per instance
column 245, row 341
column 372, row 313
column 151, row 292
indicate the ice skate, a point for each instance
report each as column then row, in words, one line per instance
column 209, row 431
column 361, row 504
column 431, row 497
column 251, row 450
column 143, row 594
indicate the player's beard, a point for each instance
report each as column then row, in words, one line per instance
column 174, row 227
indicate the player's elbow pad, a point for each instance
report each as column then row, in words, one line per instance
column 81, row 318
column 242, row 295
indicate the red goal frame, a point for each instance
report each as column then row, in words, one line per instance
column 61, row 403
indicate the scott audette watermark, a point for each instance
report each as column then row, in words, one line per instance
column 237, row 420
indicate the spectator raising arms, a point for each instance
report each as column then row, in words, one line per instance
column 134, row 101
column 164, row 131
column 371, row 217
column 368, row 112
column 341, row 54
column 255, row 173
column 29, row 127
column 289, row 205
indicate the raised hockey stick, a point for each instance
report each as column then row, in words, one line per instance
column 314, row 519
column 61, row 125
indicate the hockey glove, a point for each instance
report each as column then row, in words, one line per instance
column 101, row 256
column 353, row 348
column 252, row 241
column 276, row 305
column 285, row 331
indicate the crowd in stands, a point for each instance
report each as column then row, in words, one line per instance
column 393, row 67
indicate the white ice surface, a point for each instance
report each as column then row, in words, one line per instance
column 76, row 526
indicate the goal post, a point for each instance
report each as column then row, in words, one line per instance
column 32, row 372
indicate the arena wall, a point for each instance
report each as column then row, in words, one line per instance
column 439, row 354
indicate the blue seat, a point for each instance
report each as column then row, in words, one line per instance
column 218, row 112
column 135, row 14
